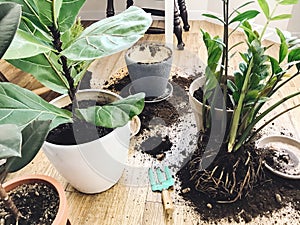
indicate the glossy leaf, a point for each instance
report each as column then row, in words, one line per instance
column 25, row 45
column 294, row 55
column 66, row 16
column 264, row 7
column 10, row 141
column 48, row 74
column 213, row 17
column 250, row 14
column 110, row 35
column 21, row 106
column 283, row 50
column 45, row 11
column 10, row 15
column 115, row 114
column 33, row 136
column 275, row 65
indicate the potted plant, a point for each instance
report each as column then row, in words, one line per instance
column 52, row 46
column 18, row 148
column 230, row 170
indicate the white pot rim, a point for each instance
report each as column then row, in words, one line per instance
column 194, row 86
column 90, row 142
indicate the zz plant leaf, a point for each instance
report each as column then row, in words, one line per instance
column 115, row 114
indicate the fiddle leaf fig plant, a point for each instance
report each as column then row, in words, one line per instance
column 18, row 146
column 52, row 45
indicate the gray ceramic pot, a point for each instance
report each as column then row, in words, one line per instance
column 149, row 66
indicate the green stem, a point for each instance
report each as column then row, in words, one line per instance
column 270, row 120
column 262, row 115
column 237, row 111
column 267, row 23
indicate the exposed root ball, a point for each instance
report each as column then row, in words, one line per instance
column 230, row 176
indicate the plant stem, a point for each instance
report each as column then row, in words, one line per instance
column 237, row 111
column 64, row 62
column 9, row 203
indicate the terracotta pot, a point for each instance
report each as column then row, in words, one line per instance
column 197, row 106
column 62, row 214
column 95, row 166
column 149, row 66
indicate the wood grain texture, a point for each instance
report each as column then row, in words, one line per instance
column 130, row 202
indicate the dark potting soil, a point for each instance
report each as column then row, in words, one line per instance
column 271, row 194
column 198, row 94
column 37, row 202
column 156, row 146
column 79, row 131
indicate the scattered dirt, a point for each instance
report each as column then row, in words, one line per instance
column 269, row 194
column 37, row 202
column 156, row 146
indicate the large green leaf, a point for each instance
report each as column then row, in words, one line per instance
column 28, row 10
column 10, row 141
column 33, row 136
column 10, row 15
column 48, row 74
column 20, row 106
column 46, row 11
column 110, row 35
column 25, row 45
column 115, row 114
column 68, row 13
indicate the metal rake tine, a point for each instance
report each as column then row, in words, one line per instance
column 160, row 176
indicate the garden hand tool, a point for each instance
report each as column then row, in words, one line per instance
column 162, row 183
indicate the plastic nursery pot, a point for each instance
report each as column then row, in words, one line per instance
column 149, row 66
column 62, row 214
column 95, row 166
column 197, row 106
column 284, row 158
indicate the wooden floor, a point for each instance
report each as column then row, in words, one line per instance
column 131, row 205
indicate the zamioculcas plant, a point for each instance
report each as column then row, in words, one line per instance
column 52, row 46
column 237, row 166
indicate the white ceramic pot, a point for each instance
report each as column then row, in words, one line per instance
column 95, row 166
column 197, row 106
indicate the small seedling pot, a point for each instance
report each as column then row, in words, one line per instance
column 149, row 66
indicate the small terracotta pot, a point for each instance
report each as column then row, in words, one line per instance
column 62, row 214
